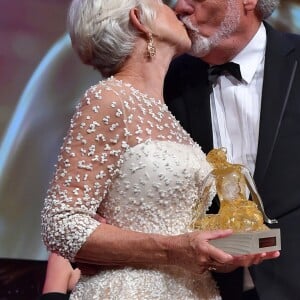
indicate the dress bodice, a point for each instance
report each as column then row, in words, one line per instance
column 157, row 187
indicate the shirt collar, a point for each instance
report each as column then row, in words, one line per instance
column 252, row 55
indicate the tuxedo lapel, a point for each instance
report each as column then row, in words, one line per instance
column 280, row 67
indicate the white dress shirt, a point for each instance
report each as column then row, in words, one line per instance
column 235, row 110
column 235, row 105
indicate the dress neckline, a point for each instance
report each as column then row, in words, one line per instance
column 134, row 89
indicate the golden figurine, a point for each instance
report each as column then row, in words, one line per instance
column 232, row 183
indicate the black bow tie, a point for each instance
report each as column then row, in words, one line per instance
column 229, row 68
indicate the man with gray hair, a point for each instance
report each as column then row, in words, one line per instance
column 238, row 89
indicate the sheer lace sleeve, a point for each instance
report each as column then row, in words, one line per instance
column 90, row 157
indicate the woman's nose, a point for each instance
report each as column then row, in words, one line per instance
column 183, row 7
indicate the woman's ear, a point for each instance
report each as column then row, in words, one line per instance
column 135, row 21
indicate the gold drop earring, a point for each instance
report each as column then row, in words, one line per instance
column 151, row 50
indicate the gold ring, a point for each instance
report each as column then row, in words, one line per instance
column 212, row 268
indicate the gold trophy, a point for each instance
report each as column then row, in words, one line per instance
column 233, row 184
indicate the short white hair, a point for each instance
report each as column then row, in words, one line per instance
column 101, row 31
column 266, row 7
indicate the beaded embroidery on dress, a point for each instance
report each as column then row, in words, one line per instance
column 137, row 167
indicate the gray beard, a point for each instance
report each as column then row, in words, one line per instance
column 201, row 45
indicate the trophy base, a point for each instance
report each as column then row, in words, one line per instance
column 249, row 242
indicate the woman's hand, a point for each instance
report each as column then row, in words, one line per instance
column 193, row 251
column 246, row 261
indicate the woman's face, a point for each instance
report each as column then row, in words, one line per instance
column 169, row 29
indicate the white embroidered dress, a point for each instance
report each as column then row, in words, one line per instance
column 127, row 158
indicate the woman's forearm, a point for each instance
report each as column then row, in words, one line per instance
column 109, row 245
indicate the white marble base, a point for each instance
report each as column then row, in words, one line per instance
column 250, row 242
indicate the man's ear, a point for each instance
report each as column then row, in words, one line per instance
column 136, row 22
column 249, row 5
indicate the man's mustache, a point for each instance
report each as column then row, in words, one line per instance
column 191, row 29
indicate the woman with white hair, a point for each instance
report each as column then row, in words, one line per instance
column 127, row 158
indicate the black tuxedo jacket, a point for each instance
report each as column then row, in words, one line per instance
column 277, row 172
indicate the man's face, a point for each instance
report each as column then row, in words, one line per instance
column 208, row 22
